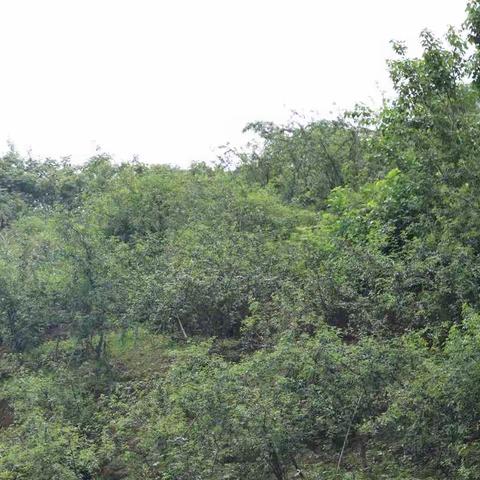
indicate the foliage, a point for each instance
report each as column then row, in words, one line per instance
column 306, row 308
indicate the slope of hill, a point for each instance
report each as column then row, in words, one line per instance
column 307, row 308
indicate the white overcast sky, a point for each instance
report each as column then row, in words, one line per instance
column 170, row 81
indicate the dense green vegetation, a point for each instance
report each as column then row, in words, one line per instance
column 307, row 308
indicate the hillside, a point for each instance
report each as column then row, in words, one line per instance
column 308, row 307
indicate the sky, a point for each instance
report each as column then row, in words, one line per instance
column 169, row 81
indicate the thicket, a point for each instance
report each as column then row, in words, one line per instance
column 306, row 308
